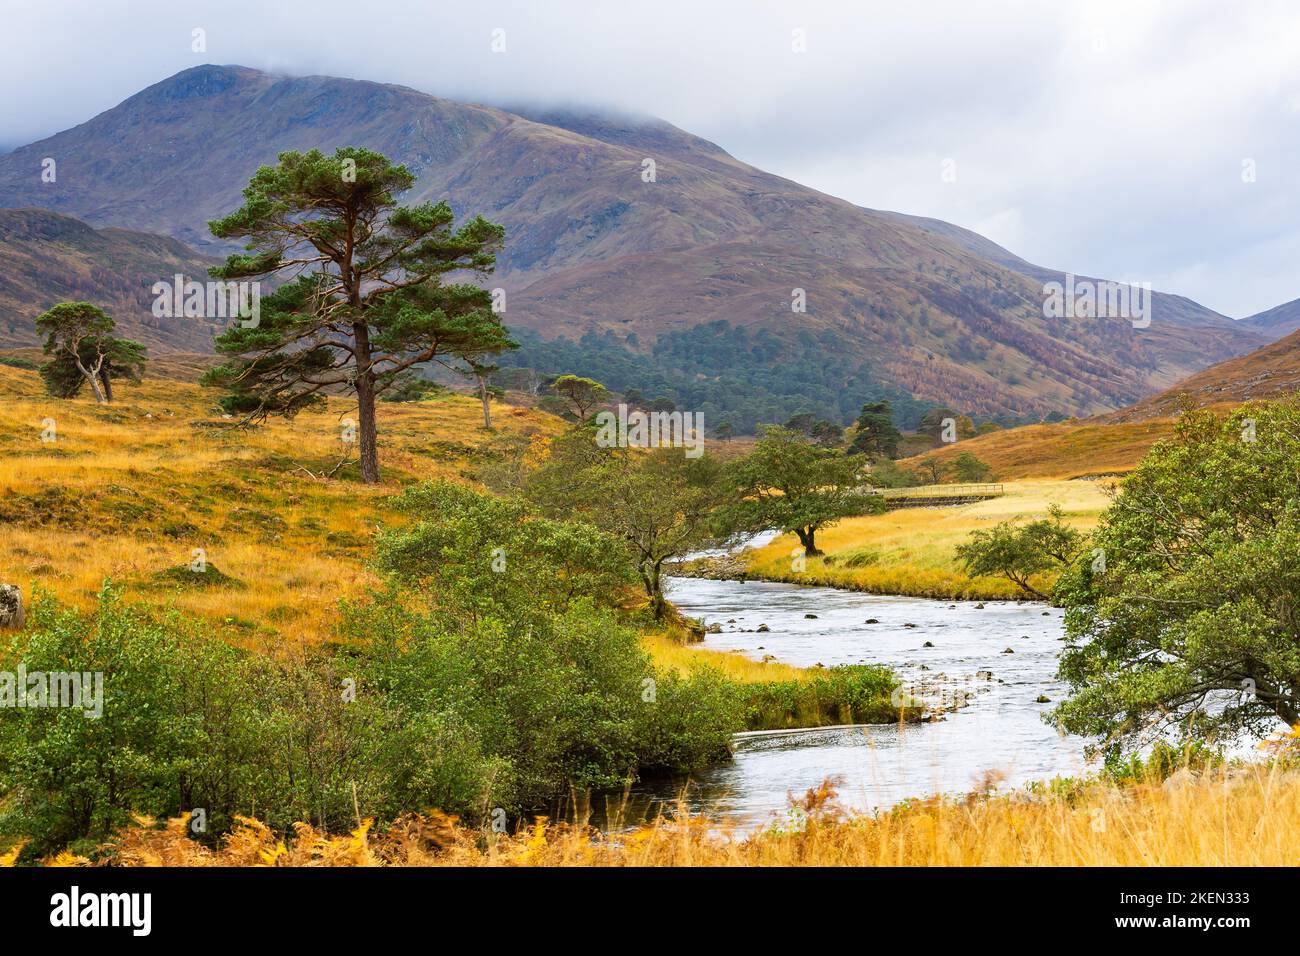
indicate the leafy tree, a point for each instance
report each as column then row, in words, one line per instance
column 122, row 359
column 660, row 503
column 1020, row 552
column 887, row 473
column 481, row 553
column 969, row 468
column 789, row 483
column 724, row 432
column 79, row 335
column 1186, row 618
column 581, row 394
column 934, row 424
column 876, row 435
column 827, row 434
column 932, row 470
column 802, row 422
column 371, row 300
column 481, row 371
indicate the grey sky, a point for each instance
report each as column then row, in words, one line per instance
column 1103, row 137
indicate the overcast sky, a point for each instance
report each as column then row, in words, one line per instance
column 1108, row 138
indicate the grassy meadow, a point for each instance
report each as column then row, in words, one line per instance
column 128, row 491
column 912, row 550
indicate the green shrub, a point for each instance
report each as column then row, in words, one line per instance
column 415, row 710
column 853, row 694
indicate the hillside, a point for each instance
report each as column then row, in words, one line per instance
column 1277, row 321
column 1272, row 372
column 127, row 491
column 47, row 257
column 895, row 306
column 1062, row 450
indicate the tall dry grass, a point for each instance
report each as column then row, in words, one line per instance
column 1227, row 817
column 1063, row 450
column 129, row 490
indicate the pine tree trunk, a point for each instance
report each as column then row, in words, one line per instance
column 483, row 395
column 108, row 384
column 95, row 385
column 366, row 427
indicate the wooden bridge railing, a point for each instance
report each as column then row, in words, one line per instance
column 986, row 490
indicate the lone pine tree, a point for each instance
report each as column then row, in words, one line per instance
column 368, row 299
column 82, row 349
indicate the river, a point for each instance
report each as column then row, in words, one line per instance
column 945, row 651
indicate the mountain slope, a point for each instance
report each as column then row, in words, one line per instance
column 1278, row 321
column 1166, row 307
column 1272, row 372
column 901, row 304
column 47, row 258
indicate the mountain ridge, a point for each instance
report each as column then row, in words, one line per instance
column 917, row 305
column 48, row 257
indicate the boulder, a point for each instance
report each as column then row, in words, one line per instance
column 12, row 613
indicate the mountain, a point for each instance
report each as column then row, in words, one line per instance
column 46, row 257
column 1277, row 321
column 1272, row 372
column 699, row 264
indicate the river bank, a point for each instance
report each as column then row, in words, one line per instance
column 990, row 671
column 910, row 552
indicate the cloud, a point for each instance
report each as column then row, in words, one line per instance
column 1103, row 137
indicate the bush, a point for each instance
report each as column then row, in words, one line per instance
column 840, row 695
column 478, row 553
column 1183, row 624
column 418, row 711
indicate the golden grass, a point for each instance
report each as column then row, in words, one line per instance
column 1242, row 817
column 1063, row 450
column 912, row 550
column 130, row 490
column 682, row 658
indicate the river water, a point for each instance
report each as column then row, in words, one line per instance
column 997, row 734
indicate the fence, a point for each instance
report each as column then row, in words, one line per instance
column 987, row 490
